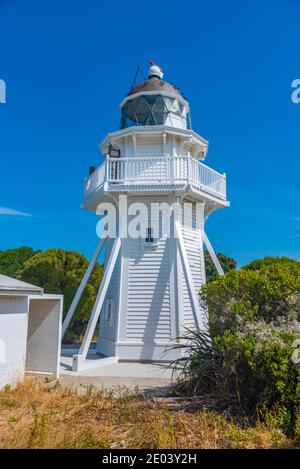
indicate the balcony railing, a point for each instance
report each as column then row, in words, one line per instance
column 157, row 171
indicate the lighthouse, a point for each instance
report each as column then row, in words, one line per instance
column 156, row 193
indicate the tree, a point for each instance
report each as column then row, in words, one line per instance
column 12, row 260
column 60, row 271
column 227, row 263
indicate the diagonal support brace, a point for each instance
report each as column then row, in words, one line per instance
column 212, row 253
column 78, row 360
column 188, row 273
column 81, row 287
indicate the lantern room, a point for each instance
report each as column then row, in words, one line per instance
column 155, row 102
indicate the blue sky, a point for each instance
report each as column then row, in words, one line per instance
column 67, row 65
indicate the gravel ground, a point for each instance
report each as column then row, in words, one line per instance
column 148, row 386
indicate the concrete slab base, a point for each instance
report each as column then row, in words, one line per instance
column 80, row 363
column 150, row 377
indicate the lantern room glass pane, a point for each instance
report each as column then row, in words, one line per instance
column 149, row 110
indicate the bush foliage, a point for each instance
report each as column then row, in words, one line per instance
column 254, row 319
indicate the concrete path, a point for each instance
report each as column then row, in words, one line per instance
column 149, row 378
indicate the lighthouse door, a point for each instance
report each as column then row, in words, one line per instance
column 115, row 152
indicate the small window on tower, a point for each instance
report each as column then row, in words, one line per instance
column 149, row 236
column 109, row 316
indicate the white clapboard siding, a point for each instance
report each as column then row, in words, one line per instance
column 146, row 312
column 108, row 331
column 149, row 145
column 148, row 303
column 193, row 246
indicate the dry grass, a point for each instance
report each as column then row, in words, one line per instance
column 36, row 415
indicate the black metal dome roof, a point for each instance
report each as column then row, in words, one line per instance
column 154, row 84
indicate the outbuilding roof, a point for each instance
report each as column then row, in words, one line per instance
column 12, row 284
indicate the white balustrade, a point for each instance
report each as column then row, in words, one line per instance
column 95, row 180
column 157, row 170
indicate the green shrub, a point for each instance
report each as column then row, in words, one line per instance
column 263, row 375
column 254, row 318
column 267, row 294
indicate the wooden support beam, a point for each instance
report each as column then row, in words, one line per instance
column 212, row 253
column 188, row 274
column 78, row 360
column 81, row 287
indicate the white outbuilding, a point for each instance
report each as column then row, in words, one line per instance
column 30, row 331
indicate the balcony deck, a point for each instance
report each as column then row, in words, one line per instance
column 117, row 174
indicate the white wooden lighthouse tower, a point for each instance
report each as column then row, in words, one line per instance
column 150, row 289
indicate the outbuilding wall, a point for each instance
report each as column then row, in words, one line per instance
column 30, row 335
column 13, row 333
column 44, row 336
